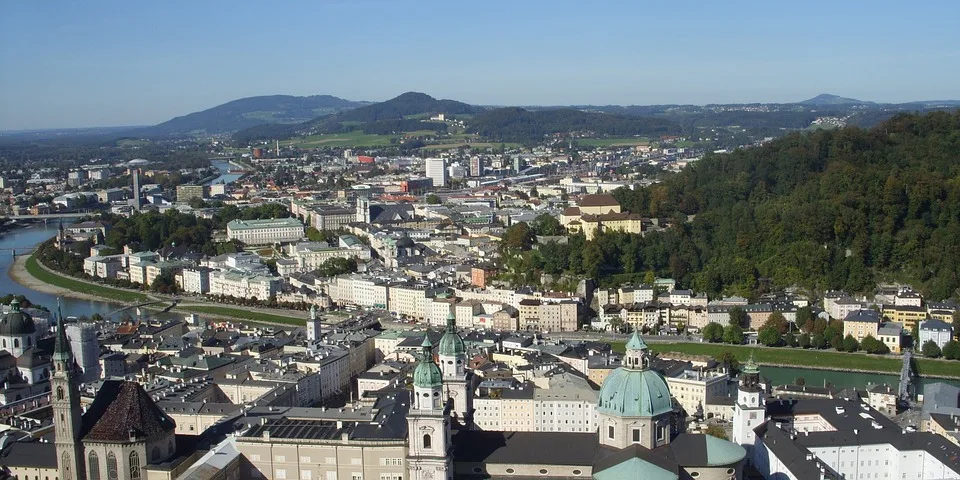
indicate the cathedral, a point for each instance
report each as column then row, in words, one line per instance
column 121, row 432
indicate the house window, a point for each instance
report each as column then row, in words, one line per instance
column 610, row 432
column 427, row 443
column 636, row 434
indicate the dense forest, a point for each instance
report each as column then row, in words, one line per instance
column 519, row 125
column 825, row 210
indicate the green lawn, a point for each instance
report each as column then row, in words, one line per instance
column 79, row 286
column 355, row 138
column 243, row 314
column 797, row 357
column 613, row 142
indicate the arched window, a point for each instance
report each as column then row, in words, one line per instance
column 65, row 463
column 111, row 466
column 16, row 343
column 134, row 466
column 94, row 463
column 4, row 343
column 29, row 341
column 427, row 442
column 59, row 393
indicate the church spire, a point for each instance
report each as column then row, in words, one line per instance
column 61, row 349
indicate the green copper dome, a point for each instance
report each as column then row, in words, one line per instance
column 427, row 374
column 451, row 345
column 634, row 390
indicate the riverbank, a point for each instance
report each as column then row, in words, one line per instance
column 814, row 359
column 30, row 273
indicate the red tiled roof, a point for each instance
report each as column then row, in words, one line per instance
column 123, row 409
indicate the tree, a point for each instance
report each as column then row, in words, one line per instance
column 951, row 350
column 870, row 344
column 769, row 336
column 616, row 324
column 717, row 431
column 791, row 340
column 517, row 238
column 733, row 334
column 837, row 342
column 800, row 381
column 778, row 322
column 432, row 199
column 728, row 359
column 738, row 316
column 850, row 344
column 337, row 266
column 805, row 316
column 956, row 321
column 804, row 340
column 819, row 325
column 930, row 349
column 547, row 225
column 818, row 341
column 713, row 332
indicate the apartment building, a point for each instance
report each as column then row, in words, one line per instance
column 709, row 390
column 937, row 331
column 265, row 232
column 563, row 316
column 240, row 285
column 861, row 323
column 195, row 280
column 359, row 290
column 908, row 315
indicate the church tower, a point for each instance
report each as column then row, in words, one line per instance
column 66, row 409
column 428, row 422
column 749, row 411
column 453, row 363
column 363, row 209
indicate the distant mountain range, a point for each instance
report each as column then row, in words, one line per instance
column 250, row 112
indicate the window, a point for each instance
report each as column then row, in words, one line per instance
column 280, row 473
column 426, row 441
column 111, row 466
column 65, row 463
column 694, row 474
column 134, row 466
column 610, row 431
column 59, row 393
column 94, row 464
column 356, row 476
column 636, row 434
column 306, row 475
column 510, row 470
column 577, row 472
column 255, row 457
column 543, row 471
column 281, row 458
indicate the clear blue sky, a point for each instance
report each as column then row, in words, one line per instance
column 74, row 64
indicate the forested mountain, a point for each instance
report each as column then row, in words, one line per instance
column 386, row 114
column 840, row 209
column 249, row 112
column 520, row 125
column 828, row 99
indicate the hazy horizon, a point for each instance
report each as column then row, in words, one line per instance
column 116, row 63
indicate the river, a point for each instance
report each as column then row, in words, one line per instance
column 225, row 177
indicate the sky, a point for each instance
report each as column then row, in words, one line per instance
column 112, row 63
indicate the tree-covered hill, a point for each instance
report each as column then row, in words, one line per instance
column 249, row 112
column 519, row 125
column 839, row 209
column 379, row 116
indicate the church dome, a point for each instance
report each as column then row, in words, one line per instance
column 405, row 242
column 16, row 322
column 634, row 390
column 427, row 374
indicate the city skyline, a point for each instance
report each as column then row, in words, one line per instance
column 117, row 64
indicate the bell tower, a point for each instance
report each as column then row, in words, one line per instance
column 750, row 409
column 65, row 392
column 428, row 422
column 452, row 355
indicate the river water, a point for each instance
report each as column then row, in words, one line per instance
column 26, row 239
column 225, row 177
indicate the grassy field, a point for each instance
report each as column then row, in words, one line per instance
column 352, row 139
column 241, row 314
column 79, row 286
column 613, row 142
column 445, row 146
column 797, row 357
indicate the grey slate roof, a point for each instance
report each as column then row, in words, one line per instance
column 29, row 454
column 547, row 448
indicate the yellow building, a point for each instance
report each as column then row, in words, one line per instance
column 891, row 334
column 907, row 315
column 610, row 222
column 860, row 323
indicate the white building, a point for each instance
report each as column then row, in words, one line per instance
column 436, row 168
column 86, row 349
column 265, row 232
column 195, row 280
column 938, row 331
column 240, row 285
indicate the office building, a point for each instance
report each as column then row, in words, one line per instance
column 436, row 169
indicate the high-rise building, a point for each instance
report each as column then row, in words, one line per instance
column 137, row 202
column 476, row 167
column 436, row 168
